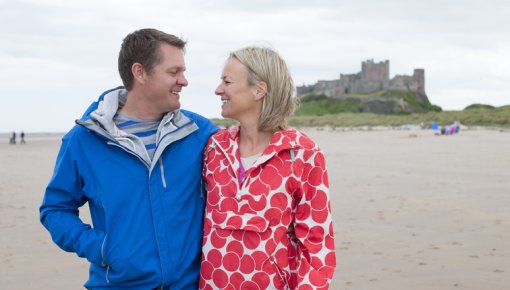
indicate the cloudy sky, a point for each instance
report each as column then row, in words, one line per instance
column 58, row 56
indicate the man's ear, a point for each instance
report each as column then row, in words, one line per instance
column 138, row 72
column 260, row 90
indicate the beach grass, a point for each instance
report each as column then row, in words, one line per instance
column 487, row 117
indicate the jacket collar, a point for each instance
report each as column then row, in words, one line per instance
column 228, row 141
column 99, row 118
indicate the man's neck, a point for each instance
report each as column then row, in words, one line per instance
column 138, row 108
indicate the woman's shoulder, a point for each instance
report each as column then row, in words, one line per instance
column 300, row 139
column 230, row 132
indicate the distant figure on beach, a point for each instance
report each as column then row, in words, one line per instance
column 22, row 135
column 12, row 140
column 454, row 128
column 136, row 158
column 435, row 128
column 268, row 222
column 456, row 125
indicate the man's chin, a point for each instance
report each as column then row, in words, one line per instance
column 175, row 107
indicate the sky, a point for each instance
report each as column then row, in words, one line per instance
column 59, row 56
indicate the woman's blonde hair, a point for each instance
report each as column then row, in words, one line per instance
column 265, row 64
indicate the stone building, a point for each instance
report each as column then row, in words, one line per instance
column 374, row 77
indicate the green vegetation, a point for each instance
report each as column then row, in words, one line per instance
column 327, row 106
column 479, row 106
column 224, row 122
column 319, row 105
column 312, row 97
column 391, row 101
column 435, row 108
column 473, row 115
column 498, row 117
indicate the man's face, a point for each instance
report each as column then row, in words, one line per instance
column 166, row 80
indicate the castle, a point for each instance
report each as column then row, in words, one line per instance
column 374, row 77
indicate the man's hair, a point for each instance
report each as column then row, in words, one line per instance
column 142, row 46
column 265, row 64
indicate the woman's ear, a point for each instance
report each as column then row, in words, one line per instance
column 138, row 72
column 260, row 90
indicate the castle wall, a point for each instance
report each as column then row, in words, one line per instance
column 366, row 87
column 328, row 88
column 373, row 77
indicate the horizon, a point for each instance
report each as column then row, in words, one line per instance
column 40, row 134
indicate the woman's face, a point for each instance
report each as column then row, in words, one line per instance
column 237, row 96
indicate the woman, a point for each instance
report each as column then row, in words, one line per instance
column 268, row 217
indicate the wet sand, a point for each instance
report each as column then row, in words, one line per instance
column 411, row 211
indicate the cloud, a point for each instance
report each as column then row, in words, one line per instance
column 59, row 56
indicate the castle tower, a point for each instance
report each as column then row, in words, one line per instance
column 371, row 71
column 419, row 78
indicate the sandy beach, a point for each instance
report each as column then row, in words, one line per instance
column 411, row 211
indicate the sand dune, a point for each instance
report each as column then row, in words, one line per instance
column 411, row 211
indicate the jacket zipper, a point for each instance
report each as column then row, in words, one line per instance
column 107, row 272
column 162, row 168
column 103, row 258
column 103, row 262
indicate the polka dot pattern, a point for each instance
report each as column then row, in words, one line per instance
column 274, row 230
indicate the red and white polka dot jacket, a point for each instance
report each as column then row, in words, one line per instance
column 272, row 230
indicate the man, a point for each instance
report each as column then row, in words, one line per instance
column 135, row 157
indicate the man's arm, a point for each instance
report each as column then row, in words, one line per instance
column 59, row 210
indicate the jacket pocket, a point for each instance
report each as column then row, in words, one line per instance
column 119, row 261
column 234, row 221
column 104, row 259
column 104, row 263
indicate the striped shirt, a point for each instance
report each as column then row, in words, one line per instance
column 145, row 130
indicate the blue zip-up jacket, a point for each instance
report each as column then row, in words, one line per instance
column 147, row 215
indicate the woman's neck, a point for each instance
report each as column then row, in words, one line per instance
column 251, row 140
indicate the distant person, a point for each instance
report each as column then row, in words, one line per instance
column 136, row 159
column 268, row 222
column 456, row 124
column 435, row 128
column 22, row 135
column 12, row 140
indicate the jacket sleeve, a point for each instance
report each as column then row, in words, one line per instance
column 316, row 259
column 59, row 210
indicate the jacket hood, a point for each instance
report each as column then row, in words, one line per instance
column 120, row 91
column 99, row 118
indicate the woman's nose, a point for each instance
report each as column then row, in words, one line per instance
column 219, row 90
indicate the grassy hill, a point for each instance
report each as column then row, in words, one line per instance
column 471, row 116
column 497, row 117
column 382, row 102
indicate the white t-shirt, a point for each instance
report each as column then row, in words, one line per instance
column 248, row 161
